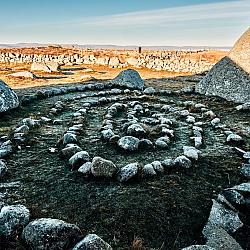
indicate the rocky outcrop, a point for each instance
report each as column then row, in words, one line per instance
column 230, row 78
column 174, row 61
column 8, row 98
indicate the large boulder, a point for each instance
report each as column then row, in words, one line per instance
column 221, row 217
column 230, row 78
column 50, row 234
column 129, row 79
column 8, row 98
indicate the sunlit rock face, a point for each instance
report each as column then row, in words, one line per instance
column 230, row 78
column 8, row 98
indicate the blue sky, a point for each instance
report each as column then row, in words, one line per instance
column 124, row 22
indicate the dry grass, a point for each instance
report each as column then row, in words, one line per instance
column 137, row 244
column 71, row 74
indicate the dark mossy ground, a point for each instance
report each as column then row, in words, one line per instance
column 167, row 212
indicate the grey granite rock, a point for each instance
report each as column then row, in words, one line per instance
column 8, row 98
column 50, row 234
column 130, row 79
column 92, row 242
column 12, row 220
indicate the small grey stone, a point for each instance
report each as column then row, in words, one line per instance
column 162, row 142
column 22, row 129
column 129, row 143
column 145, row 143
column 107, row 134
column 246, row 155
column 234, row 138
column 191, row 152
column 103, row 168
column 149, row 91
column 168, row 163
column 92, row 242
column 148, row 170
column 215, row 121
column 127, row 172
column 190, row 119
column 78, row 159
column 85, row 168
column 12, row 220
column 157, row 166
column 182, row 161
column 70, row 150
column 136, row 130
column 69, row 138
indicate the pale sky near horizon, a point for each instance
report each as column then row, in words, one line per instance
column 130, row 22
